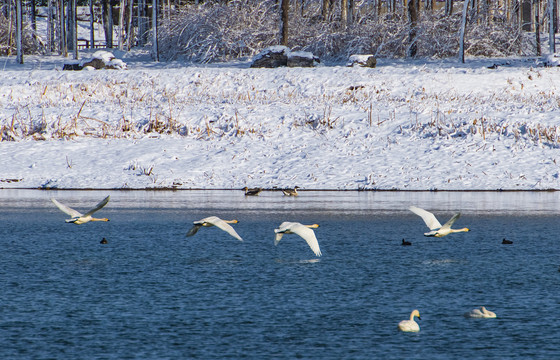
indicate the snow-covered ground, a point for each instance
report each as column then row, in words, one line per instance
column 410, row 125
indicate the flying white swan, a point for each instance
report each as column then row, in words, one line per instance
column 302, row 230
column 215, row 221
column 436, row 228
column 410, row 325
column 79, row 218
column 481, row 313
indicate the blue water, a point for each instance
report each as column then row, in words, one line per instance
column 152, row 293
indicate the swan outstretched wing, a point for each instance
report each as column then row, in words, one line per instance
column 429, row 218
column 98, row 206
column 66, row 209
column 278, row 237
column 451, row 221
column 215, row 221
column 282, row 229
column 194, row 229
column 305, row 232
column 225, row 226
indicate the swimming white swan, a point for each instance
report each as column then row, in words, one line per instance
column 410, row 325
column 290, row 192
column 481, row 313
column 79, row 218
column 215, row 221
column 302, row 230
column 436, row 228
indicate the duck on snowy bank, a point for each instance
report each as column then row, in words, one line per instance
column 291, row 192
column 252, row 192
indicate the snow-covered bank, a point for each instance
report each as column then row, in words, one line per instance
column 417, row 125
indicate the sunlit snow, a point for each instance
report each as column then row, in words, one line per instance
column 410, row 125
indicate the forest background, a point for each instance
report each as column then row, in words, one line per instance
column 224, row 30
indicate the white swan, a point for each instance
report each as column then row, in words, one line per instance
column 302, row 230
column 436, row 228
column 481, row 313
column 79, row 218
column 410, row 325
column 215, row 221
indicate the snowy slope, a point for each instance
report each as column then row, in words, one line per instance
column 416, row 125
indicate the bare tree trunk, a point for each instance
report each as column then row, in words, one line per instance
column 70, row 24
column 327, row 8
column 142, row 22
column 129, row 32
column 62, row 29
column 168, row 11
column 489, row 11
column 413, row 17
column 10, row 16
column 551, row 40
column 344, row 13
column 155, row 15
column 50, row 27
column 537, row 27
column 33, row 17
column 74, row 38
column 91, row 25
column 555, row 7
column 430, row 5
column 57, row 28
column 526, row 16
column 107, row 15
column 448, row 7
column 122, row 6
column 462, row 35
column 19, row 31
column 285, row 8
column 351, row 11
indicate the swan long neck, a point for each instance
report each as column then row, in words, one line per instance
column 314, row 226
column 231, row 221
column 99, row 219
column 460, row 230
